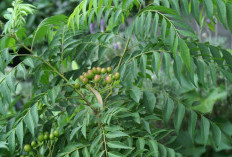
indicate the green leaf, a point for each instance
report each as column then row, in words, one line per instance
column 221, row 9
column 19, row 133
column 213, row 73
column 153, row 145
column 195, row 10
column 156, row 63
column 185, row 54
column 227, row 74
column 115, row 154
column 171, row 152
column 229, row 15
column 192, row 124
column 149, row 100
column 155, row 25
column 135, row 93
column 217, row 135
column 143, row 64
column 11, row 142
column 200, row 71
column 175, row 5
column 166, row 65
column 204, row 129
column 21, row 68
column 29, row 62
column 34, row 113
column 85, row 152
column 148, row 23
column 5, row 92
column 95, row 143
column 216, row 55
column 185, row 7
column 228, row 57
column 163, row 28
column 179, row 116
column 178, row 67
column 209, row 8
column 117, row 144
column 75, row 154
column 116, row 134
column 28, row 120
column 140, row 143
column 168, row 109
column 163, row 151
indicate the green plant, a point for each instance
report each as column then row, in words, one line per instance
column 131, row 108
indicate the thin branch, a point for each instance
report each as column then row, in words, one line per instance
column 123, row 54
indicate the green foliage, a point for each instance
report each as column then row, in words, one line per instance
column 163, row 103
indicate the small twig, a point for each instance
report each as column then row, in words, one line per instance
column 125, row 49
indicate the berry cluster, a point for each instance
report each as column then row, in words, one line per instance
column 97, row 75
column 42, row 139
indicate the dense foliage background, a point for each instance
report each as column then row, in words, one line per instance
column 173, row 97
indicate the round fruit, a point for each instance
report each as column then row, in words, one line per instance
column 108, row 79
column 77, row 85
column 90, row 74
column 81, row 77
column 97, row 78
column 94, row 69
column 45, row 137
column 56, row 133
column 109, row 69
column 40, row 137
column 103, row 70
column 98, row 70
column 33, row 143
column 46, row 133
column 116, row 76
column 104, row 83
column 51, row 136
column 27, row 148
column 85, row 75
column 84, row 80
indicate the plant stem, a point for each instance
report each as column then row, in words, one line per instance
column 123, row 54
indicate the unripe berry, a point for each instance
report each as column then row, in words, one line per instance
column 27, row 148
column 97, row 78
column 51, row 136
column 108, row 79
column 33, row 143
column 109, row 69
column 98, row 70
column 85, row 75
column 90, row 74
column 77, row 85
column 94, row 69
column 84, row 80
column 81, row 77
column 56, row 133
column 104, row 83
column 103, row 70
column 45, row 137
column 40, row 138
column 117, row 76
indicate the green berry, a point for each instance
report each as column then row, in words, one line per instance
column 94, row 69
column 40, row 138
column 104, row 83
column 27, row 148
column 85, row 80
column 90, row 74
column 56, row 133
column 109, row 69
column 97, row 78
column 51, row 136
column 77, row 85
column 33, row 143
column 46, row 133
column 103, row 70
column 108, row 79
column 98, row 70
column 81, row 77
column 45, row 137
column 117, row 76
